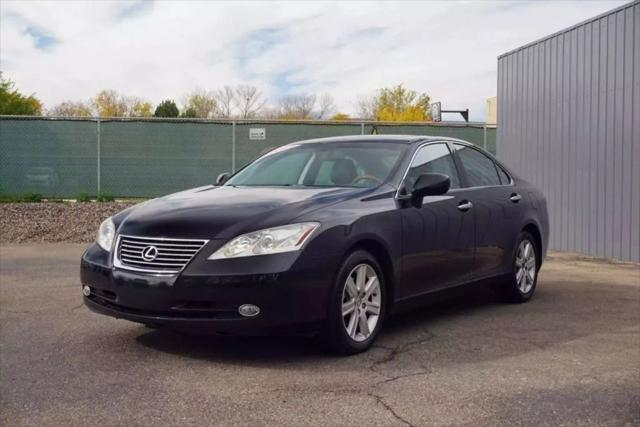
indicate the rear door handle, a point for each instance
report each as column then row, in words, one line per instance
column 515, row 197
column 465, row 205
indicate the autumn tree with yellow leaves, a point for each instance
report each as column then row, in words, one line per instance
column 14, row 103
column 395, row 104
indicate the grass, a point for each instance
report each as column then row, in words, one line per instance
column 28, row 197
column 105, row 197
column 83, row 198
column 100, row 198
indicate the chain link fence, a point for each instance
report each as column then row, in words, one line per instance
column 62, row 157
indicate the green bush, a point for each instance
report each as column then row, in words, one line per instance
column 105, row 197
column 19, row 198
column 33, row 197
column 83, row 198
column 167, row 108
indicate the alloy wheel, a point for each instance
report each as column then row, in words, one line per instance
column 361, row 302
column 525, row 266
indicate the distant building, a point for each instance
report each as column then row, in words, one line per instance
column 492, row 110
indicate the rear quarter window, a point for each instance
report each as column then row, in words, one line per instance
column 504, row 177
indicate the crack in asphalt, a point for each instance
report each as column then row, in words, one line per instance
column 397, row 351
column 389, row 409
column 377, row 398
column 424, row 371
column 394, row 352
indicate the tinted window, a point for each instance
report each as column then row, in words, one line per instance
column 434, row 158
column 340, row 164
column 504, row 178
column 282, row 170
column 480, row 169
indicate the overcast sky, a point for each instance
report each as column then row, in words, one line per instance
column 164, row 49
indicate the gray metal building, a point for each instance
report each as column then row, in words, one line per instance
column 569, row 121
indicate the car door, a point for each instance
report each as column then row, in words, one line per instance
column 496, row 205
column 438, row 238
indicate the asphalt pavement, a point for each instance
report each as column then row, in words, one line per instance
column 571, row 356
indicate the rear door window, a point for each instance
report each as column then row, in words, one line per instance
column 480, row 169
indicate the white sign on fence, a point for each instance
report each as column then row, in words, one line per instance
column 257, row 134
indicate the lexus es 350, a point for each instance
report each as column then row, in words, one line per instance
column 327, row 236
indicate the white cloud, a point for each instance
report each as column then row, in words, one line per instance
column 161, row 50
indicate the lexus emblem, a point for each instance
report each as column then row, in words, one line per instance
column 149, row 253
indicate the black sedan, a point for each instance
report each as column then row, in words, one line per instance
column 328, row 236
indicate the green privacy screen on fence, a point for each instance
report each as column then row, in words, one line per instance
column 148, row 158
column 55, row 158
column 142, row 159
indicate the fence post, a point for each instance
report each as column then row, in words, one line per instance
column 98, row 158
column 484, row 136
column 361, row 128
column 233, row 146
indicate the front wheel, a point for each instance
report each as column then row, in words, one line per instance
column 522, row 281
column 357, row 305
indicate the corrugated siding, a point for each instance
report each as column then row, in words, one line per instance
column 569, row 121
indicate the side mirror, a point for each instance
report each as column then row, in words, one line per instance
column 430, row 184
column 222, row 178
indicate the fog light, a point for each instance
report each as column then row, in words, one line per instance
column 249, row 310
column 86, row 291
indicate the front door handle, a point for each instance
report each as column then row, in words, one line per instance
column 465, row 205
column 515, row 197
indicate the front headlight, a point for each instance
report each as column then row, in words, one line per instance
column 106, row 234
column 275, row 240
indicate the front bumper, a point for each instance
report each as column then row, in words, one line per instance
column 294, row 299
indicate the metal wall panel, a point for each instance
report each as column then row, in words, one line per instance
column 569, row 121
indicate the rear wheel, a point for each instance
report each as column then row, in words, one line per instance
column 357, row 305
column 522, row 281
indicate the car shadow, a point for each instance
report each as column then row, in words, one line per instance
column 273, row 350
column 463, row 325
column 245, row 349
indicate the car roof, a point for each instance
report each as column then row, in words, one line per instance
column 406, row 139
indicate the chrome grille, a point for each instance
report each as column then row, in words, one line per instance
column 168, row 256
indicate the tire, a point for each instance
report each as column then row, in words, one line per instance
column 341, row 335
column 519, row 285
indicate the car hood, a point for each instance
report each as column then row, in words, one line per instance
column 224, row 212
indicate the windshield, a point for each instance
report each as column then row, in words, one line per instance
column 340, row 164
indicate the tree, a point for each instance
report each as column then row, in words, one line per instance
column 189, row 113
column 14, row 103
column 367, row 107
column 137, row 107
column 109, row 104
column 269, row 112
column 203, row 103
column 297, row 106
column 225, row 97
column 395, row 104
column 71, row 109
column 326, row 106
column 167, row 108
column 340, row 116
column 248, row 100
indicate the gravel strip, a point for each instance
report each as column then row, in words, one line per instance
column 54, row 222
